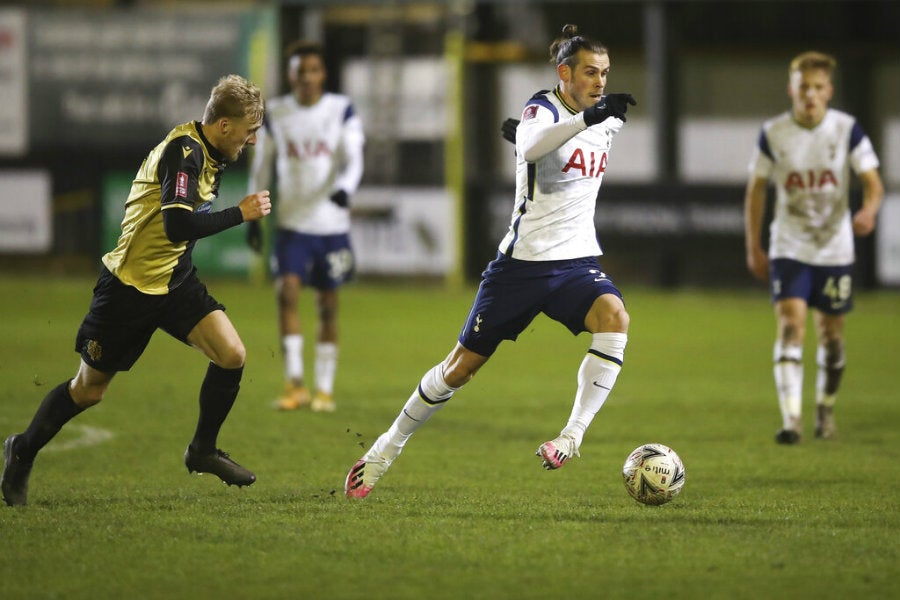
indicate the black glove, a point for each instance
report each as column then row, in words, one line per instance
column 254, row 236
column 340, row 198
column 509, row 130
column 611, row 105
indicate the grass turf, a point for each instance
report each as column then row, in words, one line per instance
column 466, row 511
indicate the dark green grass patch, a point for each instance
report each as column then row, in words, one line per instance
column 466, row 512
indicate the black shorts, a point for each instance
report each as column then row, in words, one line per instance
column 121, row 320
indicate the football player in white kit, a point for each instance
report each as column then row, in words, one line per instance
column 808, row 153
column 315, row 140
column 547, row 262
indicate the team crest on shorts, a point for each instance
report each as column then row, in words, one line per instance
column 94, row 350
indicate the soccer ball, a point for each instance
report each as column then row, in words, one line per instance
column 653, row 474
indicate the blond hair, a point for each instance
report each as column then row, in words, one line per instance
column 234, row 97
column 810, row 61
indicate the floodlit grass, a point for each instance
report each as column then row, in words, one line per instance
column 466, row 512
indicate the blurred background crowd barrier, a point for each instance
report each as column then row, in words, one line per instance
column 87, row 88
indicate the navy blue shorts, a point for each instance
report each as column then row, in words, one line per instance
column 513, row 292
column 121, row 320
column 321, row 261
column 828, row 289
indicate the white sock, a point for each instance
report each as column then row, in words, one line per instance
column 789, row 381
column 431, row 394
column 326, row 366
column 292, row 346
column 596, row 377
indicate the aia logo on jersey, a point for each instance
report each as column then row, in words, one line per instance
column 590, row 165
column 799, row 181
column 308, row 149
column 530, row 112
column 181, row 185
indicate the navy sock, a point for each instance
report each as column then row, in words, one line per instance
column 217, row 395
column 56, row 410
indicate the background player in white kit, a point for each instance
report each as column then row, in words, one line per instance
column 808, row 153
column 546, row 263
column 315, row 139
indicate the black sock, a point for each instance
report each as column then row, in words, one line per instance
column 833, row 380
column 56, row 410
column 217, row 395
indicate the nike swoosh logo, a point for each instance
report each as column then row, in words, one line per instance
column 601, row 386
column 187, row 151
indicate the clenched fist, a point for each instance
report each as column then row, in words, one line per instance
column 256, row 206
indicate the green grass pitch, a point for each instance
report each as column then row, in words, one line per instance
column 466, row 512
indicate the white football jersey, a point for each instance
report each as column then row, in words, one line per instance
column 811, row 172
column 556, row 191
column 316, row 150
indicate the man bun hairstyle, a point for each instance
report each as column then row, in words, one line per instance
column 564, row 50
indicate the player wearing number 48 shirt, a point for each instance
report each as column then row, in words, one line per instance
column 808, row 153
column 315, row 140
column 547, row 262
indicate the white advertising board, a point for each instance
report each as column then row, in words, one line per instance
column 887, row 243
column 26, row 212
column 403, row 231
column 13, row 82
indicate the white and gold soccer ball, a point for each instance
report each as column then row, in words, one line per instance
column 653, row 474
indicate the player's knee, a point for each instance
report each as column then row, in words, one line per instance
column 614, row 319
column 86, row 396
column 458, row 376
column 792, row 333
column 288, row 292
column 286, row 298
column 327, row 312
column 619, row 320
column 607, row 314
column 460, row 366
column 232, row 356
column 457, row 371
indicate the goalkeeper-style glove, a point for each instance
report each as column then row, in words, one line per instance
column 509, row 130
column 611, row 105
column 254, row 236
column 340, row 198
